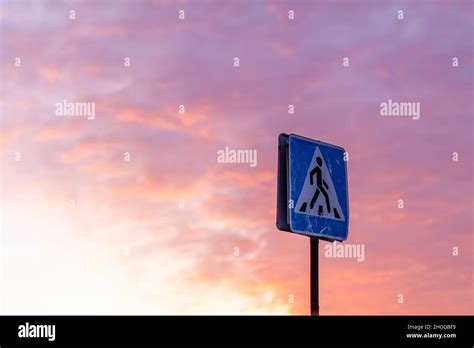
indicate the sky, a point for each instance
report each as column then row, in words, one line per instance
column 172, row 230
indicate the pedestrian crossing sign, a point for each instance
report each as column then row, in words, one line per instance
column 316, row 195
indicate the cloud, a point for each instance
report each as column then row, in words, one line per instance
column 127, row 226
column 54, row 133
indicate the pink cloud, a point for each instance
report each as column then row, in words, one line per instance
column 134, row 204
column 54, row 133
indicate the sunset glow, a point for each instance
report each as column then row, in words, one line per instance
column 132, row 213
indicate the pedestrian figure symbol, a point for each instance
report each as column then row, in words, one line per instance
column 318, row 196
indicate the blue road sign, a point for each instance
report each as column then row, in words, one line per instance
column 317, row 189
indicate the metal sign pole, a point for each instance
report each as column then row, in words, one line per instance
column 314, row 273
column 309, row 170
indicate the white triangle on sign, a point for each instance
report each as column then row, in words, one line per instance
column 318, row 196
